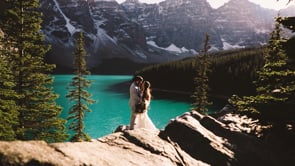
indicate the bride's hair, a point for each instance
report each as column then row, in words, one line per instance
column 147, row 91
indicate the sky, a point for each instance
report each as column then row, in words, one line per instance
column 271, row 4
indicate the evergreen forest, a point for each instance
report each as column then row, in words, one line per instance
column 28, row 103
column 232, row 72
column 28, row 108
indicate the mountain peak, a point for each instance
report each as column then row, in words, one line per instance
column 244, row 4
column 186, row 4
column 106, row 0
column 132, row 1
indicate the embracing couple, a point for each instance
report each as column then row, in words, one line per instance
column 140, row 98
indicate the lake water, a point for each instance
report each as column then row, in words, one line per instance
column 111, row 109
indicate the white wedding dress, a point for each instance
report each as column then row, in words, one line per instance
column 142, row 120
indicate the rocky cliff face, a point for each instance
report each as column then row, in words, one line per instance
column 109, row 33
column 241, row 23
column 149, row 33
column 190, row 139
column 172, row 21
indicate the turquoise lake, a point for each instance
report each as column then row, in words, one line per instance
column 111, row 109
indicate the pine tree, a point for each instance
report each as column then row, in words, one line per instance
column 289, row 22
column 200, row 95
column 8, row 108
column 78, row 93
column 275, row 85
column 38, row 112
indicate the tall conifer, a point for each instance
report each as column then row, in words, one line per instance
column 8, row 108
column 78, row 93
column 38, row 112
column 275, row 85
column 200, row 95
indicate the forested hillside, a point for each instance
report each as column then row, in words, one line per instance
column 233, row 72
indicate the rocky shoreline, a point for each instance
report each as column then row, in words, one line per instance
column 190, row 139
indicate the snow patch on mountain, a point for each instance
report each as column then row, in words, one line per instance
column 172, row 48
column 101, row 37
column 228, row 46
column 257, row 30
column 69, row 26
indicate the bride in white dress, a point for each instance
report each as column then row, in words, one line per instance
column 142, row 120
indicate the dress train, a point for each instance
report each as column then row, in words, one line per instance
column 142, row 120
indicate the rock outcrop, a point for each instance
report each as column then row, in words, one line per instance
column 211, row 141
column 129, row 147
column 191, row 139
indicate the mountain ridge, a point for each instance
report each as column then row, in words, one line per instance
column 149, row 33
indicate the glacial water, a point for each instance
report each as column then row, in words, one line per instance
column 111, row 109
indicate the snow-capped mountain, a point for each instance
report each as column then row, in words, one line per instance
column 149, row 33
column 109, row 33
column 175, row 25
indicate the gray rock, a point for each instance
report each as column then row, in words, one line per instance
column 216, row 143
column 130, row 147
column 190, row 139
column 31, row 153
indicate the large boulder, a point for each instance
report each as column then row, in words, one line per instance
column 215, row 143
